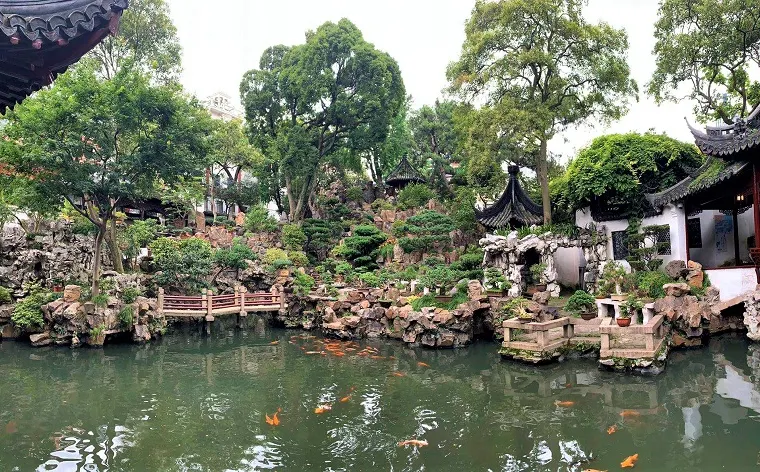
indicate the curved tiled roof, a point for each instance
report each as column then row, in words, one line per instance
column 513, row 209
column 729, row 140
column 713, row 172
column 403, row 174
column 39, row 39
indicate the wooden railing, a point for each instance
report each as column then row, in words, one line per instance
column 241, row 302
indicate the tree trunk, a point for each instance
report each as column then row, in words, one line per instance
column 113, row 248
column 542, row 173
column 97, row 258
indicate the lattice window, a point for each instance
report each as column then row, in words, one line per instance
column 619, row 245
column 694, row 229
column 663, row 240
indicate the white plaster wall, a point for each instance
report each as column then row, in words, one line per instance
column 733, row 282
column 672, row 215
column 708, row 255
column 567, row 260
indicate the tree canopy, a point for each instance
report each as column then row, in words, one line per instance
column 334, row 95
column 616, row 170
column 708, row 47
column 103, row 143
column 538, row 68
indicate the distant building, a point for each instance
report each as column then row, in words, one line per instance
column 222, row 107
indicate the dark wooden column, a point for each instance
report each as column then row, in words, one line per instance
column 735, row 217
column 756, row 213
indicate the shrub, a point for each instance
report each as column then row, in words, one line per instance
column 470, row 263
column 258, row 220
column 235, row 256
column 27, row 314
column 130, row 294
column 462, row 210
column 650, row 283
column 5, row 295
column 293, row 237
column 343, row 268
column 362, row 248
column 184, row 265
column 274, row 254
column 426, row 231
column 280, row 264
column 303, row 284
column 107, row 285
column 381, row 204
column 369, row 279
column 321, row 236
column 355, row 194
column 100, row 300
column 298, row 258
column 414, row 196
column 136, row 236
column 495, row 280
column 127, row 316
column 580, row 302
column 440, row 277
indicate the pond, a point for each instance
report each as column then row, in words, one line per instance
column 192, row 402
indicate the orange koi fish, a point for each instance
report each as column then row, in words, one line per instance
column 398, row 374
column 413, row 442
column 422, row 364
column 322, row 408
column 565, row 404
column 339, row 354
column 274, row 343
column 612, row 429
column 376, row 357
column 629, row 461
column 345, row 399
column 274, row 420
column 630, row 414
column 362, row 354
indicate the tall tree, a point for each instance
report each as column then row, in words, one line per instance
column 708, row 47
column 147, row 39
column 381, row 158
column 308, row 103
column 99, row 144
column 538, row 68
column 434, row 130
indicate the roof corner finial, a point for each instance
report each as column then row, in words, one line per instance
column 513, row 169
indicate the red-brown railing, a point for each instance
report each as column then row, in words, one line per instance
column 209, row 304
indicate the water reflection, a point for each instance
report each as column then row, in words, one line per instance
column 194, row 403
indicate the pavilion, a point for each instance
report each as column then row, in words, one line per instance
column 402, row 175
column 514, row 209
column 40, row 39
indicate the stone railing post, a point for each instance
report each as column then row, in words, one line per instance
column 568, row 330
column 605, row 341
column 541, row 338
column 507, row 335
column 209, row 302
column 650, row 342
column 160, row 301
column 242, row 291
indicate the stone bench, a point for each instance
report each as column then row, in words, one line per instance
column 607, row 307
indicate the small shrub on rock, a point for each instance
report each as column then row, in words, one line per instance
column 130, row 294
column 127, row 316
column 5, row 295
column 274, row 254
column 650, row 283
column 298, row 258
column 27, row 314
column 293, row 237
column 235, row 256
column 414, row 196
column 258, row 220
column 426, row 231
column 580, row 302
column 303, row 284
column 369, row 279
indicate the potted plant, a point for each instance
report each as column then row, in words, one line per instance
column 605, row 289
column 630, row 308
column 537, row 271
column 615, row 275
column 495, row 282
column 57, row 285
column 582, row 304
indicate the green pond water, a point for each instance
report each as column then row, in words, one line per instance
column 192, row 402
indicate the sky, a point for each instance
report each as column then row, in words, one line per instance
column 424, row 36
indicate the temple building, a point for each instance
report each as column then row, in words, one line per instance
column 514, row 209
column 402, row 175
column 40, row 39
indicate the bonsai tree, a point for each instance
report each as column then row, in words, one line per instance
column 439, row 278
column 537, row 271
column 631, row 307
column 615, row 275
column 580, row 302
column 495, row 280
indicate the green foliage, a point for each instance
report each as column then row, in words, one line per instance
column 258, row 220
column 273, row 254
column 440, row 278
column 184, row 265
column 414, row 196
column 127, row 316
column 650, row 283
column 381, row 204
column 616, row 170
column 321, row 236
column 355, row 195
column 79, row 224
column 107, row 285
column 580, row 302
column 426, row 231
column 303, row 284
column 433, row 129
column 470, row 264
column 130, row 294
column 561, row 229
column 462, row 210
column 293, row 237
column 429, row 301
column 298, row 258
column 137, row 235
column 631, row 307
column 328, row 100
column 280, row 264
column 644, row 245
column 537, row 272
column 537, row 67
column 5, row 295
column 100, row 300
column 27, row 313
column 369, row 279
column 495, row 280
column 235, row 256
column 362, row 247
column 709, row 48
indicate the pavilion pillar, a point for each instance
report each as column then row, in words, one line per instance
column 756, row 213
column 686, row 229
column 735, row 217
